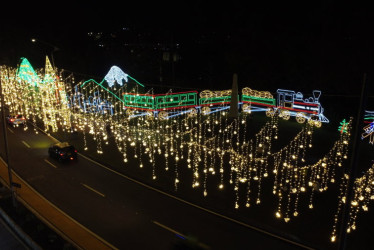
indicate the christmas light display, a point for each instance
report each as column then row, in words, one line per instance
column 369, row 116
column 115, row 75
column 369, row 132
column 287, row 104
column 211, row 147
column 26, row 73
column 343, row 127
column 93, row 103
column 164, row 105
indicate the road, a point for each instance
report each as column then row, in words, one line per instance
column 125, row 213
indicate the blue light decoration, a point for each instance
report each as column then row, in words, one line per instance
column 94, row 102
column 91, row 104
column 369, row 132
column 116, row 75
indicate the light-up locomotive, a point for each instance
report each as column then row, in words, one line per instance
column 287, row 104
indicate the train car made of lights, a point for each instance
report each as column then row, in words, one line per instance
column 164, row 106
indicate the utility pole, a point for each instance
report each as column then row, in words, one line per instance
column 354, row 164
column 6, row 145
column 234, row 111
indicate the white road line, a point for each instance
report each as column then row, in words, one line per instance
column 189, row 203
column 176, row 232
column 196, row 206
column 50, row 163
column 27, row 145
column 168, row 228
column 11, row 130
column 93, row 190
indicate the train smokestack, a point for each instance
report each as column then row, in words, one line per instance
column 316, row 95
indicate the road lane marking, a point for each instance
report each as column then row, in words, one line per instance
column 11, row 130
column 197, row 206
column 45, row 218
column 178, row 233
column 27, row 145
column 93, row 190
column 168, row 228
column 189, row 203
column 50, row 163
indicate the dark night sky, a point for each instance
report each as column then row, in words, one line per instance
column 321, row 45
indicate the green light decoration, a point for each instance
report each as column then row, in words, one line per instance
column 258, row 100
column 139, row 101
column 369, row 116
column 26, row 72
column 174, row 100
column 343, row 127
column 135, row 80
column 100, row 84
column 161, row 101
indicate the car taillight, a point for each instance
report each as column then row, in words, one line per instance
column 61, row 154
column 75, row 151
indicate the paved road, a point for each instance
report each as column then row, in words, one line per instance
column 125, row 213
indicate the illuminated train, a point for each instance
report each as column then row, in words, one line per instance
column 287, row 104
column 88, row 98
column 171, row 104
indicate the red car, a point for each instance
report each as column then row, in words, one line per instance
column 15, row 120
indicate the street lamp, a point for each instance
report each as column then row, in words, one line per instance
column 55, row 48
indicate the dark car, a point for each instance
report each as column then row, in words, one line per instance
column 63, row 151
column 15, row 120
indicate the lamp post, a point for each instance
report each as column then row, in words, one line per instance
column 55, row 48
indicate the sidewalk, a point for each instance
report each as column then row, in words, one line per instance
column 65, row 226
column 8, row 239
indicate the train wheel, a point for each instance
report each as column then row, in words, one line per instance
column 205, row 110
column 206, row 94
column 149, row 115
column 192, row 112
column 300, row 117
column 311, row 122
column 318, row 123
column 162, row 115
column 129, row 112
column 246, row 107
column 270, row 112
column 285, row 114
